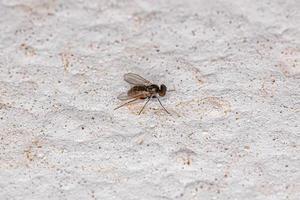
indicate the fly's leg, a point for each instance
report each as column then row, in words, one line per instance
column 125, row 103
column 145, row 105
column 163, row 106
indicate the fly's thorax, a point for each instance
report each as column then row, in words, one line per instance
column 153, row 89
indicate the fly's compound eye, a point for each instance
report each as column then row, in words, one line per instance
column 163, row 90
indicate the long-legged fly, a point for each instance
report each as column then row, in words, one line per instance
column 141, row 89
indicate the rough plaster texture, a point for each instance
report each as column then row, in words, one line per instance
column 234, row 129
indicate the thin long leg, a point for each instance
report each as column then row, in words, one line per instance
column 145, row 105
column 163, row 106
column 125, row 103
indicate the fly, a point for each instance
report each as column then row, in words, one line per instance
column 141, row 89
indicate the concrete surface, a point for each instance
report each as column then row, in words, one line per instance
column 234, row 129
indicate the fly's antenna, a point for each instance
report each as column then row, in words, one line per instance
column 172, row 89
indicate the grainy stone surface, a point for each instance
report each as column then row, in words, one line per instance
column 234, row 129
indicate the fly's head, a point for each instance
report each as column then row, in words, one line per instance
column 163, row 90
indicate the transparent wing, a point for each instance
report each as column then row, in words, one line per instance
column 135, row 79
column 124, row 96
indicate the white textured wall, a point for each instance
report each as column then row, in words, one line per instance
column 234, row 130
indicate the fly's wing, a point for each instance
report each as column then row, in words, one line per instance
column 124, row 96
column 135, row 79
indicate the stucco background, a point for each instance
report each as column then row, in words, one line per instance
column 234, row 129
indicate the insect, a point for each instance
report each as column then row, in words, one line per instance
column 141, row 89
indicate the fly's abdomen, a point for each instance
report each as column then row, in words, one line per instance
column 138, row 91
